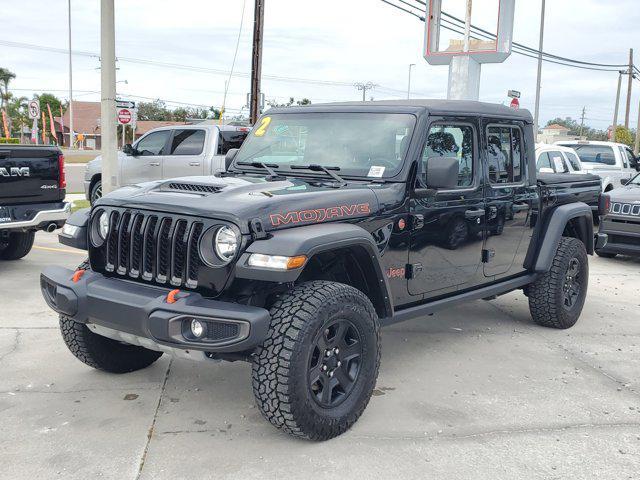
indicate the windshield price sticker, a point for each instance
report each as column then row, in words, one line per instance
column 376, row 171
column 262, row 129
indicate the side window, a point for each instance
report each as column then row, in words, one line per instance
column 543, row 161
column 153, row 143
column 574, row 161
column 187, row 142
column 450, row 141
column 625, row 160
column 229, row 139
column 504, row 154
column 633, row 161
column 558, row 162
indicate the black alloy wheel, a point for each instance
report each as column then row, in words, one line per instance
column 572, row 284
column 334, row 364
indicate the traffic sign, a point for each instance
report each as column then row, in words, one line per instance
column 125, row 116
column 34, row 109
column 513, row 94
column 125, row 104
column 515, row 103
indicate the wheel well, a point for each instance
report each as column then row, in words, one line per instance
column 578, row 227
column 94, row 179
column 352, row 266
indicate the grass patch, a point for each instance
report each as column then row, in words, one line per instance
column 80, row 158
column 79, row 204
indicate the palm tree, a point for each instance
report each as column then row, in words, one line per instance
column 5, row 77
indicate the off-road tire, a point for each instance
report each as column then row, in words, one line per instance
column 280, row 367
column 606, row 254
column 100, row 352
column 19, row 244
column 546, row 294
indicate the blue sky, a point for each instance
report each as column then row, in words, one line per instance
column 326, row 42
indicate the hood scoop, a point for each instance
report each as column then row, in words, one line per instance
column 194, row 187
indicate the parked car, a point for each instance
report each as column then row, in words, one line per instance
column 610, row 161
column 32, row 191
column 557, row 159
column 323, row 228
column 167, row 152
column 620, row 226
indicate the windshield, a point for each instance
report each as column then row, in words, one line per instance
column 594, row 153
column 360, row 144
column 635, row 180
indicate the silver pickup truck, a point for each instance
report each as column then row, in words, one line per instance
column 168, row 152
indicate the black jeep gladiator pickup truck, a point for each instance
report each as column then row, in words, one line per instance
column 32, row 191
column 331, row 221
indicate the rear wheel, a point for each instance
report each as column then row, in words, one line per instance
column 15, row 245
column 557, row 297
column 315, row 373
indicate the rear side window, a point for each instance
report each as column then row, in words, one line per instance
column 543, row 161
column 595, row 154
column 558, row 162
column 450, row 141
column 573, row 160
column 187, row 142
column 625, row 160
column 504, row 154
column 229, row 139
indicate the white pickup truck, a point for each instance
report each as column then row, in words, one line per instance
column 612, row 162
column 168, row 152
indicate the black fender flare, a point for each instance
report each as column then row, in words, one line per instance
column 542, row 250
column 79, row 239
column 310, row 240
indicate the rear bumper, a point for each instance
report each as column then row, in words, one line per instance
column 38, row 216
column 140, row 315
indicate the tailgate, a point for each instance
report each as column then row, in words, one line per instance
column 29, row 174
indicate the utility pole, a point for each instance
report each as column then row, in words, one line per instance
column 256, row 62
column 411, row 65
column 615, row 112
column 108, row 97
column 626, row 116
column 364, row 87
column 539, row 78
column 636, row 145
column 584, row 111
column 70, row 86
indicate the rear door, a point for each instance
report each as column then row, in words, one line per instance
column 186, row 154
column 447, row 228
column 146, row 165
column 509, row 198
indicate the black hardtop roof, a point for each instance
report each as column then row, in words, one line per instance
column 414, row 106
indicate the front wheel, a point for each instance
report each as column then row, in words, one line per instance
column 96, row 192
column 557, row 297
column 314, row 374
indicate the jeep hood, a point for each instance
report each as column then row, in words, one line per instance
column 628, row 194
column 278, row 204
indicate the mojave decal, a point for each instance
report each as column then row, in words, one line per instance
column 318, row 215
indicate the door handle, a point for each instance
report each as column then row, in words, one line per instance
column 154, row 164
column 520, row 207
column 194, row 164
column 473, row 214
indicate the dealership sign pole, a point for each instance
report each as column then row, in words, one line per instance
column 466, row 55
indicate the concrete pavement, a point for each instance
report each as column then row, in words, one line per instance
column 474, row 392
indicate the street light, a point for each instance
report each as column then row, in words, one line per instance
column 411, row 65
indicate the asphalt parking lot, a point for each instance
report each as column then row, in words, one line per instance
column 475, row 392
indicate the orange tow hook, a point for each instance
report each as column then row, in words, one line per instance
column 77, row 275
column 171, row 296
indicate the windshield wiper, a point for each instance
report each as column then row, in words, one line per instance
column 269, row 167
column 314, row 167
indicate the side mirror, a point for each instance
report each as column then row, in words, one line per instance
column 442, row 173
column 128, row 150
column 624, row 181
column 228, row 159
column 546, row 170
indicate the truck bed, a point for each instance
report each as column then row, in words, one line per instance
column 565, row 188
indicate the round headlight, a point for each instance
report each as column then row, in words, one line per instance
column 226, row 243
column 103, row 225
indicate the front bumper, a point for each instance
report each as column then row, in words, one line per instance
column 37, row 216
column 140, row 315
column 619, row 235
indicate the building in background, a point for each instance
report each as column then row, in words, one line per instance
column 556, row 133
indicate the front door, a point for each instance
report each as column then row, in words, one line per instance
column 146, row 165
column 509, row 199
column 186, row 153
column 447, row 226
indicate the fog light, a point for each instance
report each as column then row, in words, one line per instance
column 197, row 328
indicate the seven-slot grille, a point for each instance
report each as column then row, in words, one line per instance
column 153, row 247
column 619, row 208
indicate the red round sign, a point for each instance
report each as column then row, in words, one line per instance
column 124, row 116
column 515, row 103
